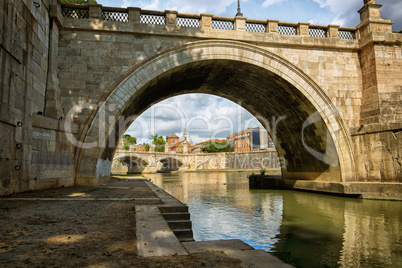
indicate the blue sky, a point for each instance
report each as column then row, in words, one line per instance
column 207, row 116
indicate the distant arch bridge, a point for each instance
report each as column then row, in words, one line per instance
column 134, row 162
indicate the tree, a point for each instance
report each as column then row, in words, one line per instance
column 128, row 141
column 159, row 143
column 147, row 147
column 81, row 2
column 216, row 147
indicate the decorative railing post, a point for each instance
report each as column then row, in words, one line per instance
column 95, row 11
column 206, row 21
column 302, row 28
column 333, row 31
column 371, row 20
column 240, row 23
column 272, row 26
column 171, row 17
column 134, row 15
column 55, row 14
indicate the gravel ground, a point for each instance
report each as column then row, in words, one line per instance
column 86, row 231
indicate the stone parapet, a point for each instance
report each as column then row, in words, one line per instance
column 272, row 26
column 240, row 24
column 134, row 15
column 303, row 28
column 205, row 21
column 171, row 17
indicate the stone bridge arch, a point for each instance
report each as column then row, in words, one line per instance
column 170, row 163
column 135, row 163
column 309, row 133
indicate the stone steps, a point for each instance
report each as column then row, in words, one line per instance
column 175, row 216
column 178, row 219
column 179, row 224
column 183, row 234
column 172, row 209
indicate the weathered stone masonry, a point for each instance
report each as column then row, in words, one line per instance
column 52, row 64
column 33, row 152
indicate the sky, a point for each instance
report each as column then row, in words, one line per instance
column 206, row 116
column 203, row 116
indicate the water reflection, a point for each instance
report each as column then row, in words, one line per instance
column 372, row 234
column 304, row 229
column 222, row 207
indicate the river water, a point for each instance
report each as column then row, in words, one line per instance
column 303, row 229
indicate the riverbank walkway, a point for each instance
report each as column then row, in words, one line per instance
column 118, row 224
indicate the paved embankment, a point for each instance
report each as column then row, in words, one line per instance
column 119, row 224
column 366, row 190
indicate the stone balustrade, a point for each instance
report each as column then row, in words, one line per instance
column 204, row 21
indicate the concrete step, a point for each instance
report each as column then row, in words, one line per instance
column 180, row 224
column 154, row 236
column 183, row 233
column 170, row 209
column 175, row 216
column 237, row 249
column 185, row 240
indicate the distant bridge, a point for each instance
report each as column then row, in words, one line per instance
column 151, row 162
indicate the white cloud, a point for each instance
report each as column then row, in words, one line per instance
column 215, row 7
column 148, row 5
column 346, row 11
column 339, row 5
column 271, row 2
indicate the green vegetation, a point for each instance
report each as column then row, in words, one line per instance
column 216, row 147
column 128, row 141
column 81, row 2
column 159, row 143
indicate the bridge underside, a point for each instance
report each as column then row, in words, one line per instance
column 286, row 113
column 169, row 165
column 130, row 165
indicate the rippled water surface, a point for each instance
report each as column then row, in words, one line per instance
column 304, row 229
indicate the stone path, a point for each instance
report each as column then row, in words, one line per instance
column 116, row 224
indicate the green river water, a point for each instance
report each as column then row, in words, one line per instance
column 303, row 229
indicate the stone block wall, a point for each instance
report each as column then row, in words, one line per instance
column 379, row 155
column 336, row 71
column 34, row 153
column 377, row 138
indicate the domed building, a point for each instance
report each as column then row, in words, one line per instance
column 182, row 145
column 172, row 139
column 186, row 138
